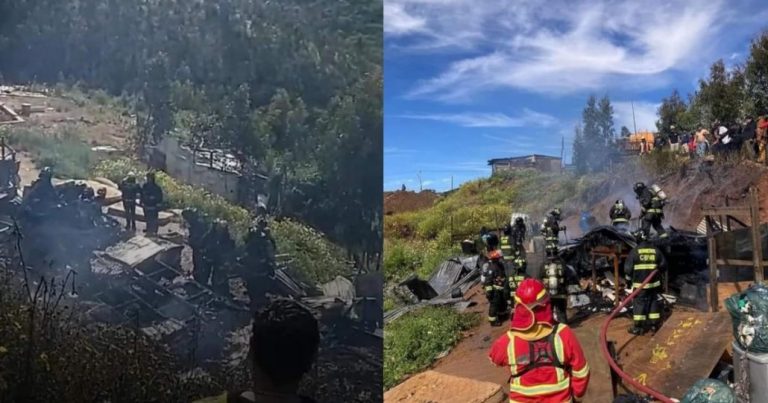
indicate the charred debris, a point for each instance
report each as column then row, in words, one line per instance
column 588, row 291
column 124, row 279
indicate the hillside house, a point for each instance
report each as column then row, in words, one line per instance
column 541, row 163
column 216, row 171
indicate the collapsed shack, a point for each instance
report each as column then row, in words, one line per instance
column 447, row 286
column 138, row 283
column 686, row 253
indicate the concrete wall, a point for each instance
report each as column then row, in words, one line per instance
column 181, row 164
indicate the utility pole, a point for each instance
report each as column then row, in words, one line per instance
column 634, row 123
column 562, row 155
column 420, row 187
column 451, row 182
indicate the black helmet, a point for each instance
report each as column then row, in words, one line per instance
column 492, row 240
column 46, row 172
column 519, row 220
column 639, row 186
column 151, row 175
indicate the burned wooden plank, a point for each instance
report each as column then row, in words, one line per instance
column 725, row 211
column 686, row 349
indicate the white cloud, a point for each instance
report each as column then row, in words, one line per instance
column 398, row 22
column 645, row 115
column 472, row 119
column 555, row 47
column 392, row 151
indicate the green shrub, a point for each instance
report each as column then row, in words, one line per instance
column 62, row 150
column 421, row 257
column 316, row 259
column 412, row 342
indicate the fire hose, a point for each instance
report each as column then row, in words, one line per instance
column 607, row 355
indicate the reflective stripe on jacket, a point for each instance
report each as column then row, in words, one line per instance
column 641, row 262
column 544, row 383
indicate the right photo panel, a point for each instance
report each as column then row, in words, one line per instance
column 575, row 201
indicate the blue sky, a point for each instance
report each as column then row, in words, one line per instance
column 470, row 80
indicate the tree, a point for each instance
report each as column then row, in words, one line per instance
column 722, row 94
column 671, row 112
column 579, row 151
column 756, row 76
column 625, row 132
column 605, row 121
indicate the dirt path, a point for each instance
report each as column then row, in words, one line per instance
column 466, row 372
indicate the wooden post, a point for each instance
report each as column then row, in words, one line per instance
column 757, row 245
column 713, row 277
column 594, row 274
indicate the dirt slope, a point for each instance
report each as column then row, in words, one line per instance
column 688, row 192
column 403, row 201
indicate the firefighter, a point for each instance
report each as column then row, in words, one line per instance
column 494, row 278
column 643, row 260
column 259, row 262
column 620, row 215
column 551, row 231
column 197, row 228
column 517, row 273
column 42, row 190
column 651, row 210
column 506, row 241
column 217, row 248
column 518, row 234
column 130, row 191
column 151, row 199
column 545, row 358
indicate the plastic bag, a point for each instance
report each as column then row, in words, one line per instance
column 709, row 391
column 749, row 314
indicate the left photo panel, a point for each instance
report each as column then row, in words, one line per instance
column 191, row 201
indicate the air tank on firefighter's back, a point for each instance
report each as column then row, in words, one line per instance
column 656, row 189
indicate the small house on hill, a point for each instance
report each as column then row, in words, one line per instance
column 543, row 163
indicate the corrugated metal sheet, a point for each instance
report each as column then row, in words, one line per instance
column 138, row 250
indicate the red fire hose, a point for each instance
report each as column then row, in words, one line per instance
column 604, row 346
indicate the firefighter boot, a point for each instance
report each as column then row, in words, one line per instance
column 636, row 330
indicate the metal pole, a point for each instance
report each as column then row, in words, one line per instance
column 634, row 123
column 757, row 255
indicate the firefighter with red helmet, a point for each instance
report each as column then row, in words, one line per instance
column 494, row 279
column 545, row 358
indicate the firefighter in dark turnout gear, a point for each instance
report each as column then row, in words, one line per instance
column 620, row 215
column 646, row 308
column 217, row 248
column 494, row 278
column 197, row 228
column 259, row 261
column 506, row 241
column 518, row 234
column 517, row 273
column 130, row 192
column 551, row 231
column 651, row 210
column 151, row 199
